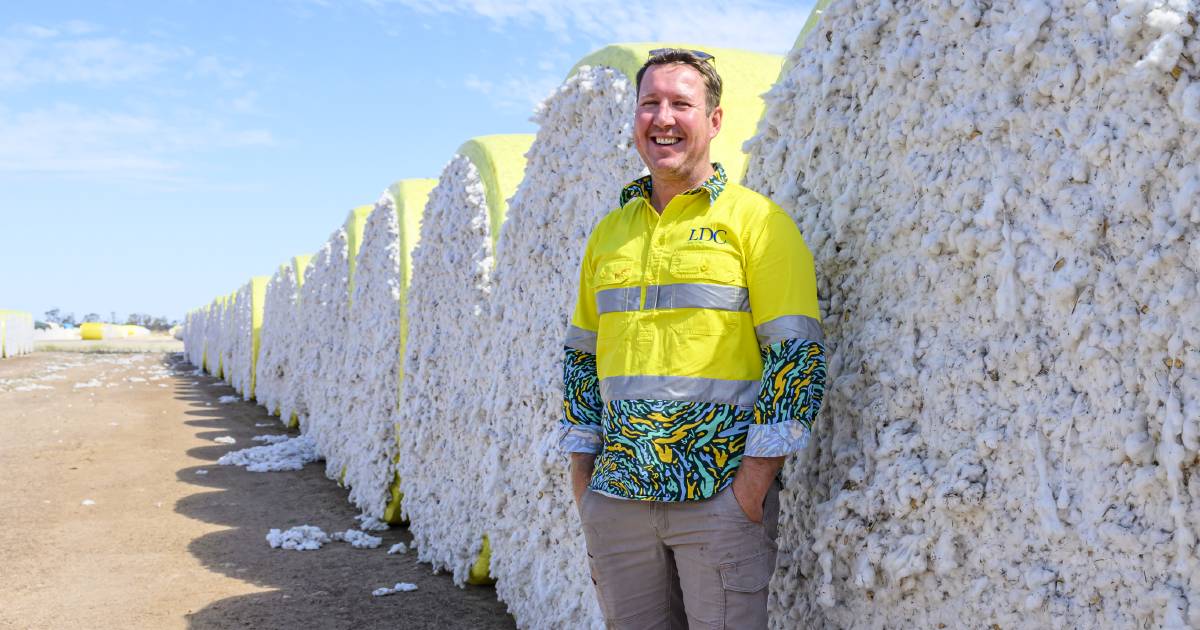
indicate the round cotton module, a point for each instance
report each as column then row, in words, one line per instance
column 214, row 339
column 1002, row 206
column 245, row 341
column 583, row 156
column 323, row 310
column 329, row 378
column 227, row 335
column 374, row 346
column 281, row 339
column 443, row 443
column 16, row 333
column 193, row 338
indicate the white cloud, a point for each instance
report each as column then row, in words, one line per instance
column 69, row 140
column 70, row 53
column 759, row 25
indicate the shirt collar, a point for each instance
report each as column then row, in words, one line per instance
column 642, row 187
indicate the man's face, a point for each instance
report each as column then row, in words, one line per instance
column 672, row 128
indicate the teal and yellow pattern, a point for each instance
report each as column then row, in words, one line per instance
column 667, row 450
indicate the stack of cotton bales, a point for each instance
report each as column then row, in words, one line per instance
column 374, row 345
column 246, row 326
column 583, row 156
column 441, row 429
column 16, row 333
column 1003, row 201
column 281, row 341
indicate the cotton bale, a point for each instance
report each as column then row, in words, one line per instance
column 366, row 453
column 582, row 157
column 246, row 334
column 280, row 340
column 1002, row 203
column 16, row 333
column 325, row 309
column 442, row 441
column 91, row 331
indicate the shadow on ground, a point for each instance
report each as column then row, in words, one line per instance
column 326, row 588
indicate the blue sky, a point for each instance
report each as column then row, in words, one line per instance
column 156, row 154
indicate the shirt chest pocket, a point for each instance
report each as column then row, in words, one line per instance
column 707, row 267
column 612, row 287
column 709, row 293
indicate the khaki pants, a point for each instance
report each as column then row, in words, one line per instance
column 691, row 564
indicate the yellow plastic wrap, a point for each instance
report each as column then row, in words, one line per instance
column 480, row 573
column 745, row 76
column 258, row 298
column 91, row 331
column 408, row 200
column 356, row 222
column 500, row 160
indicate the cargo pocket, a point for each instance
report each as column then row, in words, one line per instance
column 747, row 576
column 745, row 585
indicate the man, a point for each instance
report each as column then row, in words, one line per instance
column 694, row 365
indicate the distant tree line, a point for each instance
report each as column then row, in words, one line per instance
column 160, row 323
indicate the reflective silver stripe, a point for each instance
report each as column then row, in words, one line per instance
column 580, row 339
column 686, row 388
column 714, row 296
column 617, row 300
column 789, row 327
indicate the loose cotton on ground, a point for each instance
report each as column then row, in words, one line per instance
column 1002, row 204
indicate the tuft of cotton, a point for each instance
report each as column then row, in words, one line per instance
column 225, row 400
column 358, row 539
column 398, row 548
column 225, row 439
column 291, row 454
column 300, row 538
column 270, row 439
column 1002, row 205
column 400, row 587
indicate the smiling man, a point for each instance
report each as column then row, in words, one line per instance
column 694, row 364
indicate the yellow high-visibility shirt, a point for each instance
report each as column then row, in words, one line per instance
column 678, row 310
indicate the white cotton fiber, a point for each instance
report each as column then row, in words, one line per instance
column 358, row 539
column 300, row 538
column 1001, row 200
column 400, row 587
column 291, row 454
column 443, row 442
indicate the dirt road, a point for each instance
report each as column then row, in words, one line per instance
column 108, row 521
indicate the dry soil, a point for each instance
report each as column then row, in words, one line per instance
column 106, row 520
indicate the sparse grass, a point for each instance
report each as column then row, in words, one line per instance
column 112, row 346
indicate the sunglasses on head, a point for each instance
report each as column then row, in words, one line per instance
column 700, row 55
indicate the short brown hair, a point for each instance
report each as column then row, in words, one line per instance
column 684, row 57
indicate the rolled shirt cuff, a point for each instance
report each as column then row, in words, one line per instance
column 776, row 440
column 576, row 438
